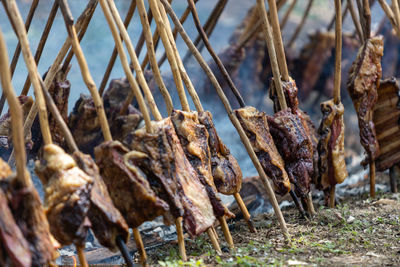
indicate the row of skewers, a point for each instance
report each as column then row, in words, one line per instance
column 176, row 166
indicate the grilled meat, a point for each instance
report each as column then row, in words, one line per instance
column 172, row 175
column 255, row 124
column 295, row 147
column 67, row 195
column 225, row 169
column 107, row 222
column 194, row 140
column 130, row 191
column 364, row 79
column 332, row 166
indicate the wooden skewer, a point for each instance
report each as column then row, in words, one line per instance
column 287, row 14
column 356, row 22
column 140, row 43
column 181, row 241
column 225, row 230
column 81, row 256
column 231, row 115
column 152, row 56
column 90, row 7
column 114, row 54
column 396, row 11
column 214, row 241
column 17, row 51
column 344, row 14
column 277, row 36
column 208, row 26
column 389, row 13
column 301, row 25
column 332, row 196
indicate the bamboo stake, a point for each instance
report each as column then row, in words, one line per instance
column 272, row 54
column 214, row 241
column 181, row 241
column 232, row 117
column 276, row 33
column 344, row 14
column 225, row 230
column 356, row 22
column 396, row 11
column 91, row 6
column 386, row 8
column 135, row 62
column 31, row 66
column 287, row 14
column 301, row 25
column 170, row 53
column 16, row 116
column 114, row 54
column 338, row 51
column 17, row 51
column 332, row 196
column 81, row 256
column 140, row 43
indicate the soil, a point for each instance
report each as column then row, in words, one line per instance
column 359, row 232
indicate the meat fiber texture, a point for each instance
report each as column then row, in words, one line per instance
column 14, row 249
column 130, row 191
column 225, row 168
column 364, row 79
column 28, row 214
column 67, row 195
column 107, row 222
column 194, row 140
column 255, row 125
column 332, row 165
column 290, row 90
column 295, row 148
column 174, row 175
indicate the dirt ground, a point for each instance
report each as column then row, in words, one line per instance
column 359, row 232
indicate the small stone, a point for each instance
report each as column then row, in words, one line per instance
column 351, row 219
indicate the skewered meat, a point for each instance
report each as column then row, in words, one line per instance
column 29, row 215
column 130, row 191
column 14, row 249
column 67, row 195
column 332, row 165
column 5, row 127
column 107, row 222
column 171, row 172
column 194, row 139
column 255, row 125
column 364, row 79
column 386, row 119
column 225, row 169
column 290, row 90
column 295, row 147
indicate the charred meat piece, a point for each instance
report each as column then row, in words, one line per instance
column 332, row 165
column 14, row 249
column 364, row 79
column 225, row 169
column 255, row 124
column 130, row 191
column 67, row 195
column 194, row 140
column 28, row 213
column 172, row 175
column 295, row 147
column 107, row 222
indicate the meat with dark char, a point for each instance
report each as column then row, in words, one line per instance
column 332, row 165
column 295, row 148
column 130, row 191
column 255, row 124
column 28, row 213
column 194, row 140
column 364, row 79
column 225, row 169
column 173, row 176
column 107, row 222
column 67, row 195
column 14, row 249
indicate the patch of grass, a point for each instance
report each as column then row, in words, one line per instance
column 178, row 263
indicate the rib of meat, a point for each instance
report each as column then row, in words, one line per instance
column 255, row 124
column 295, row 147
column 290, row 90
column 28, row 213
column 5, row 128
column 67, row 195
column 364, row 79
column 130, row 191
column 194, row 140
column 332, row 165
column 14, row 249
column 107, row 222
column 171, row 172
column 225, row 169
